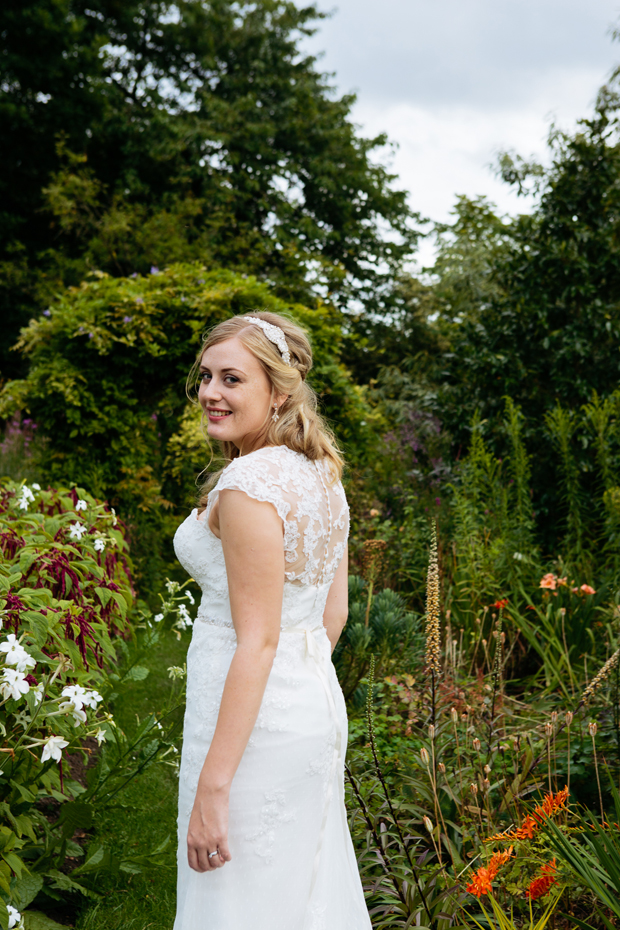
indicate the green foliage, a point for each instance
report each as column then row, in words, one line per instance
column 106, row 384
column 378, row 626
column 63, row 596
column 65, row 593
column 141, row 134
column 550, row 336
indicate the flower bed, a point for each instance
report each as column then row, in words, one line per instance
column 65, row 589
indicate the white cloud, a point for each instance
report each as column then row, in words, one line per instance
column 455, row 81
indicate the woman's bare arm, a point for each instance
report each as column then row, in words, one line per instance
column 337, row 606
column 251, row 534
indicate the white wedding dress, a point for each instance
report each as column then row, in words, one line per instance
column 293, row 866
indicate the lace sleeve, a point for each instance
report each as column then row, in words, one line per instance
column 256, row 476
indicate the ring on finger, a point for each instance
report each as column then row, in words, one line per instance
column 214, row 853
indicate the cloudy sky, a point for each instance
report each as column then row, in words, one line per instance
column 455, row 81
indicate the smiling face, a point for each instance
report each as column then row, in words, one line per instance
column 235, row 394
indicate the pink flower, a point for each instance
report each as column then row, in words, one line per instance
column 586, row 589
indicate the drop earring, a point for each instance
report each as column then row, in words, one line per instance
column 275, row 416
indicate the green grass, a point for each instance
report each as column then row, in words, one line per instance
column 144, row 816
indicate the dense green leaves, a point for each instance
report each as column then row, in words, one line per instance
column 138, row 134
column 107, row 377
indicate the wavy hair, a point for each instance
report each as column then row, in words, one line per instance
column 299, row 425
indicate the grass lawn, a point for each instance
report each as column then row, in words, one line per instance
column 143, row 818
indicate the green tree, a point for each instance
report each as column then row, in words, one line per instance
column 139, row 134
column 549, row 330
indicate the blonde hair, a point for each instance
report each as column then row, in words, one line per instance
column 299, row 425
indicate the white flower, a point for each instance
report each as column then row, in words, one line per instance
column 13, row 684
column 36, row 486
column 26, row 498
column 38, row 694
column 14, row 916
column 101, row 736
column 79, row 715
column 76, row 694
column 158, row 618
column 77, row 530
column 81, row 505
column 52, row 748
column 23, row 663
column 184, row 616
column 16, row 654
column 99, row 545
column 175, row 672
column 91, row 699
column 172, row 586
column 190, row 597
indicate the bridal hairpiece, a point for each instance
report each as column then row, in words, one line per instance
column 274, row 334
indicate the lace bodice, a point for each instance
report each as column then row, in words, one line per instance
column 315, row 519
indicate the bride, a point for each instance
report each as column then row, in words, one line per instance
column 263, row 836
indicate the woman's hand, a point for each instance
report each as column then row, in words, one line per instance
column 208, row 830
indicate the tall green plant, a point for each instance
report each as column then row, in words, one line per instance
column 522, row 523
column 562, row 424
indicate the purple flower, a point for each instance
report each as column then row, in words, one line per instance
column 134, row 274
column 153, row 416
column 438, row 501
column 91, row 335
column 139, row 300
column 47, row 313
column 154, row 269
column 127, row 319
column 201, row 280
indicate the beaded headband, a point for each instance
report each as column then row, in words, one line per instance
column 274, row 334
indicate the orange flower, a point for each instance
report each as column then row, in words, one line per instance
column 549, row 581
column 552, row 803
column 481, row 882
column 587, row 589
column 541, row 886
column 500, row 604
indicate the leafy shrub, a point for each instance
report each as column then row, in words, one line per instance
column 106, row 384
column 65, row 588
column 379, row 626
